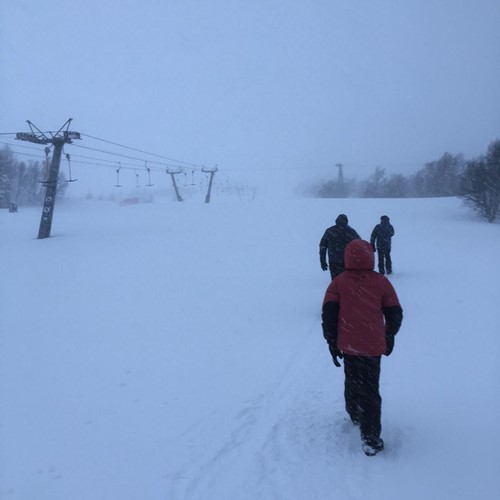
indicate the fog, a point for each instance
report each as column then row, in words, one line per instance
column 285, row 87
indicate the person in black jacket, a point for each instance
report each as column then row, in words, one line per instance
column 334, row 242
column 381, row 242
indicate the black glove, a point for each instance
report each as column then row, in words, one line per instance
column 389, row 342
column 374, row 249
column 324, row 266
column 336, row 353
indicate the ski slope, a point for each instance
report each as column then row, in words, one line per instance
column 174, row 351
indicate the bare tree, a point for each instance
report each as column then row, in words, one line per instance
column 440, row 177
column 375, row 186
column 480, row 187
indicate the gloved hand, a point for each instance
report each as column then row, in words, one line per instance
column 389, row 342
column 374, row 249
column 336, row 353
column 324, row 266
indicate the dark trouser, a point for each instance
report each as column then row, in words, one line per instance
column 335, row 268
column 362, row 398
column 384, row 261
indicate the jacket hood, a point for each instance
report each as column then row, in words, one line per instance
column 342, row 220
column 359, row 255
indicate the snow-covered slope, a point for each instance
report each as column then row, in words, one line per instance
column 174, row 351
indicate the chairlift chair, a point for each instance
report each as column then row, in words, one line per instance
column 149, row 178
column 68, row 157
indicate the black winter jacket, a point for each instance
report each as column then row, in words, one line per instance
column 334, row 241
column 381, row 236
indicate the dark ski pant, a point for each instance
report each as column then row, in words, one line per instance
column 362, row 398
column 384, row 261
column 336, row 268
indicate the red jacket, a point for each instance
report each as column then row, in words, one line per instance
column 365, row 299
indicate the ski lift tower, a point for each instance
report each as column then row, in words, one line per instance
column 58, row 140
column 172, row 174
column 340, row 178
column 212, row 173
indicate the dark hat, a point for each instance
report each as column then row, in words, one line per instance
column 342, row 220
column 384, row 218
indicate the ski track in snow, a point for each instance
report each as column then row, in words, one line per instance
column 252, row 441
column 297, row 423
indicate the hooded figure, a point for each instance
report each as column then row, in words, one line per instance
column 334, row 242
column 381, row 242
column 361, row 316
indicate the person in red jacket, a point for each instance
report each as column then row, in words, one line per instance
column 361, row 316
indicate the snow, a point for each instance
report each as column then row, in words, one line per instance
column 174, row 351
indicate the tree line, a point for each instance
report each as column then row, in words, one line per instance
column 476, row 181
column 22, row 183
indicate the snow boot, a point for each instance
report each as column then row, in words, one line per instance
column 372, row 446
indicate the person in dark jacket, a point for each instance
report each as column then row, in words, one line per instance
column 361, row 316
column 334, row 242
column 381, row 242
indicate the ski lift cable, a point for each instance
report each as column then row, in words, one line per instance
column 141, row 151
column 18, row 145
column 125, row 166
column 112, row 162
column 29, row 154
column 79, row 159
column 163, row 164
column 98, row 162
column 120, row 155
column 15, row 145
column 107, row 152
column 75, row 158
column 23, row 153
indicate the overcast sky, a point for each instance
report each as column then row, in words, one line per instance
column 258, row 84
